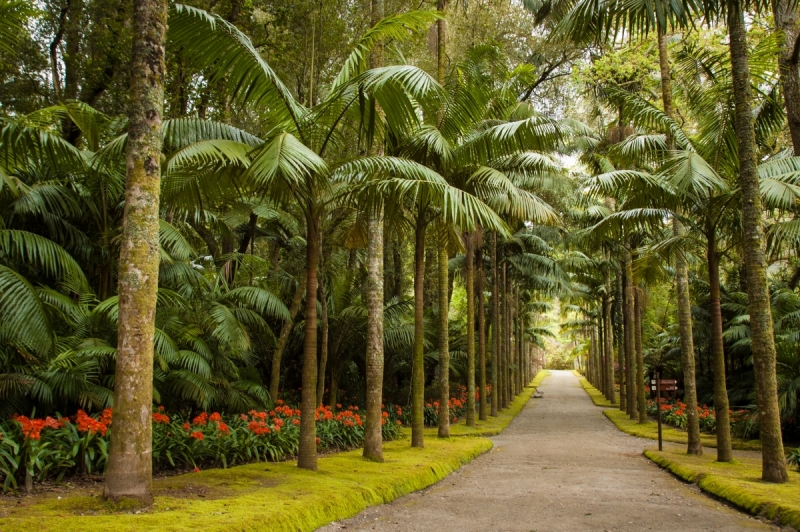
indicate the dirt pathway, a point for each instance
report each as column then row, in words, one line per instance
column 560, row 466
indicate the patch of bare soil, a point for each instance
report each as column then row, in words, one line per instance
column 560, row 466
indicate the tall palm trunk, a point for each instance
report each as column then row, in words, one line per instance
column 418, row 369
column 761, row 327
column 640, row 396
column 787, row 21
column 283, row 340
column 608, row 340
column 307, row 452
column 444, row 337
column 601, row 335
column 373, row 437
column 721, row 406
column 619, row 313
column 681, row 278
column 508, row 332
column 324, row 330
column 469, row 242
column 504, row 352
column 630, row 339
column 481, row 281
column 495, row 326
column 373, row 440
column 130, row 461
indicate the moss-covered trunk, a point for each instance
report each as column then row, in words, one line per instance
column 481, row 282
column 418, row 368
column 469, row 242
column 608, row 340
column 324, row 330
column 444, row 335
column 307, row 452
column 130, row 462
column 641, row 400
column 630, row 341
column 787, row 21
column 761, row 327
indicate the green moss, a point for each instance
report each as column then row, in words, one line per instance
column 738, row 482
column 650, row 429
column 269, row 496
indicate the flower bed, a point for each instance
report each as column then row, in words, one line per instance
column 37, row 449
column 743, row 423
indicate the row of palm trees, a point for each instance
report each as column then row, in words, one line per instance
column 694, row 176
column 452, row 160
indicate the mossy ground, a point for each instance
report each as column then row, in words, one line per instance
column 595, row 395
column 268, row 496
column 738, row 482
column 650, row 429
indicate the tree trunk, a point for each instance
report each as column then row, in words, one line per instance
column 785, row 13
column 495, row 326
column 506, row 338
column 630, row 338
column 621, row 315
column 130, row 461
column 373, row 439
column 469, row 242
column 418, row 369
column 608, row 338
column 307, row 453
column 640, row 396
column 283, row 340
column 761, row 327
column 444, row 336
column 482, row 414
column 721, row 406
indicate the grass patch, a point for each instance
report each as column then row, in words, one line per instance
column 595, row 395
column 738, row 482
column 268, row 496
column 650, row 429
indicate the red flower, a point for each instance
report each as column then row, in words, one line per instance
column 160, row 418
column 197, row 435
column 215, row 417
column 296, row 421
column 202, row 419
column 196, row 469
column 259, row 428
column 186, row 427
column 223, row 428
column 87, row 423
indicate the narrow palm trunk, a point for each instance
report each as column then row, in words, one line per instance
column 307, row 452
column 495, row 325
column 640, row 396
column 373, row 440
column 787, row 21
column 418, row 369
column 504, row 351
column 608, row 340
column 621, row 315
column 130, row 462
column 601, row 334
column 324, row 330
column 482, row 406
column 469, row 242
column 630, row 338
column 444, row 337
column 761, row 327
column 721, row 406
column 283, row 340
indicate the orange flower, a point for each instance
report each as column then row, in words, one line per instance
column 158, row 417
column 202, row 419
column 197, row 435
column 222, row 427
column 296, row 421
column 215, row 417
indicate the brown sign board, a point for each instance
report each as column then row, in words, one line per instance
column 671, row 382
column 666, row 388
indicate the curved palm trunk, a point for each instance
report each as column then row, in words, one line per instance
column 761, row 326
column 373, row 439
column 307, row 452
column 469, row 241
column 495, row 326
column 283, row 340
column 130, row 461
column 721, row 405
column 444, row 337
column 418, row 369
column 640, row 396
column 482, row 406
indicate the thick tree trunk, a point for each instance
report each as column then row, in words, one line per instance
column 495, row 326
column 418, row 368
column 721, row 406
column 444, row 336
column 373, row 438
column 307, row 452
column 640, row 395
column 283, row 340
column 469, row 242
column 130, row 462
column 482, row 406
column 787, row 21
column 761, row 327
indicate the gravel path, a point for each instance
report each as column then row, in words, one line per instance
column 560, row 465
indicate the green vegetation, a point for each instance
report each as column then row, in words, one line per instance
column 737, row 482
